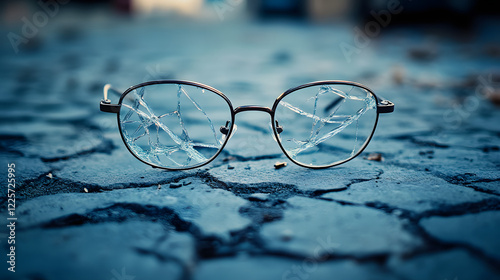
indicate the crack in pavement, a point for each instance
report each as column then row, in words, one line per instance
column 248, row 239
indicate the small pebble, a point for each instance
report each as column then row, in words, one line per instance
column 423, row 153
column 85, row 190
column 49, row 175
column 375, row 157
column 230, row 167
column 159, row 187
column 258, row 197
column 279, row 165
column 175, row 185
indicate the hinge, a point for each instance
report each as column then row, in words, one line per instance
column 107, row 107
column 385, row 106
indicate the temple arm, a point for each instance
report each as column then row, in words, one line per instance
column 384, row 106
column 105, row 105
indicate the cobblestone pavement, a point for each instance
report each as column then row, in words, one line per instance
column 87, row 209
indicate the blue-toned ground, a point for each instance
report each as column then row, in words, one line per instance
column 87, row 209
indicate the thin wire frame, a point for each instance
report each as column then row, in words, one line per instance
column 320, row 83
column 383, row 106
column 177, row 82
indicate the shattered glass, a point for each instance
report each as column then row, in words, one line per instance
column 167, row 125
column 179, row 126
column 326, row 124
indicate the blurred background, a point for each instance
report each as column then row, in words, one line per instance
column 250, row 50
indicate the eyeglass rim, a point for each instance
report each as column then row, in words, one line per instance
column 319, row 83
column 190, row 83
column 272, row 113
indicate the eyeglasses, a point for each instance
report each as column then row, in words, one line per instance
column 179, row 125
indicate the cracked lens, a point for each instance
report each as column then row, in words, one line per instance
column 166, row 124
column 326, row 124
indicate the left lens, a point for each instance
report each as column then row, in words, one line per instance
column 322, row 125
column 174, row 125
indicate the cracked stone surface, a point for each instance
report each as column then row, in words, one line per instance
column 264, row 267
column 97, row 239
column 452, row 264
column 482, row 226
column 88, row 209
column 417, row 194
column 202, row 207
column 343, row 230
column 243, row 174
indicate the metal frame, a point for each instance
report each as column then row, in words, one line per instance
column 383, row 106
column 386, row 107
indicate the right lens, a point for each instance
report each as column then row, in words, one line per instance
column 174, row 125
column 325, row 124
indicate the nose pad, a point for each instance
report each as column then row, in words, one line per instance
column 279, row 128
column 225, row 130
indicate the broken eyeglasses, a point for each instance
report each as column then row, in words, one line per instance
column 178, row 125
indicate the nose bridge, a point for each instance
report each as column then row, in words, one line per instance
column 253, row 108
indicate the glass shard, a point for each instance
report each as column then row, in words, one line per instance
column 317, row 133
column 151, row 127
